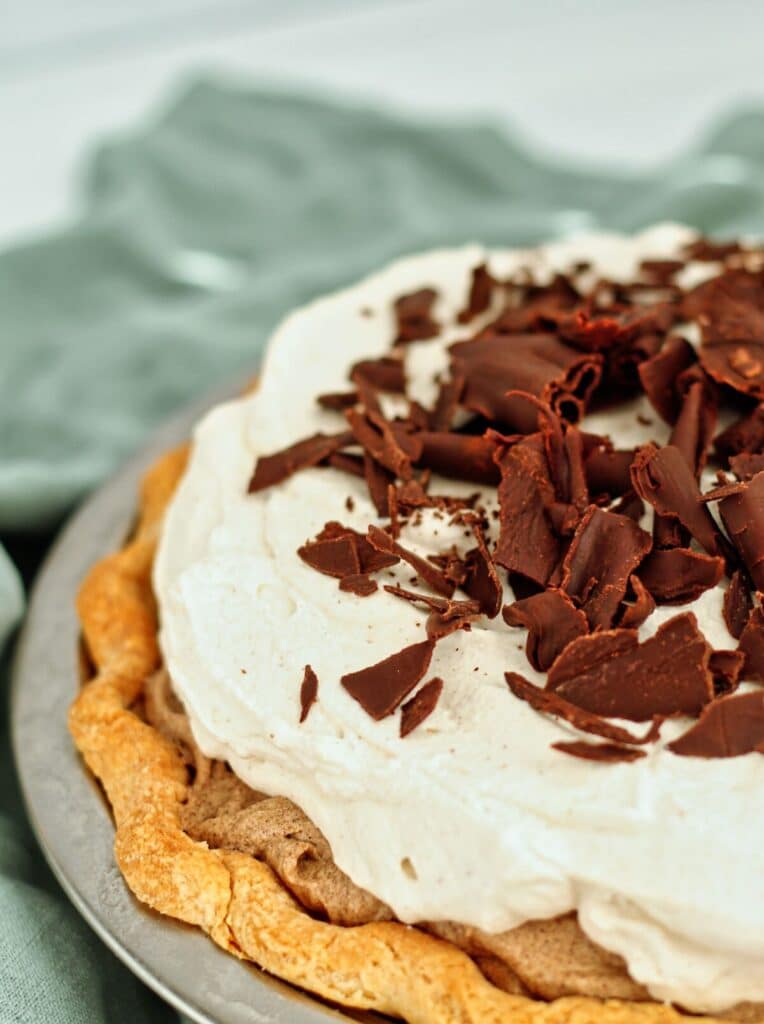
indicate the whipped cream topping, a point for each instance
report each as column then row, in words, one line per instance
column 473, row 817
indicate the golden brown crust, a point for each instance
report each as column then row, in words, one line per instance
column 234, row 897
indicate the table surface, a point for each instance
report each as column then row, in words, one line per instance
column 613, row 81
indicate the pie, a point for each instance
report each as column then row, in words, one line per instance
column 431, row 679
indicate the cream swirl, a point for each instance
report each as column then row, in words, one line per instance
column 473, row 817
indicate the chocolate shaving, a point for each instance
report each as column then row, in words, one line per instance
column 729, row 309
column 425, row 570
column 746, row 465
column 607, row 753
column 608, row 471
column 605, row 551
column 352, row 464
column 308, row 692
column 739, row 366
column 552, row 621
column 527, row 543
column 695, row 424
column 482, row 583
column 744, row 435
column 459, row 456
column 359, row 584
column 380, row 688
column 611, row 674
column 662, row 477
column 550, row 703
column 384, row 374
column 726, row 667
column 346, row 555
column 378, row 481
column 751, row 644
column 730, row 727
column 659, row 374
column 738, row 604
column 743, row 518
column 413, row 314
column 392, row 449
column 337, row 401
column 481, row 292
column 273, row 469
column 537, row 364
column 679, row 575
column 446, row 404
column 421, row 705
column 635, row 612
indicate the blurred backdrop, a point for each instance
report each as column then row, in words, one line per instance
column 616, row 81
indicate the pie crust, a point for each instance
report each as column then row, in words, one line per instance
column 237, row 899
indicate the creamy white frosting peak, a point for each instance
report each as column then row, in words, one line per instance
column 663, row 859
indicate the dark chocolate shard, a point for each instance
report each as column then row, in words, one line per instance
column 537, row 364
column 746, row 465
column 550, row 703
column 359, row 584
column 637, row 606
column 413, row 313
column 696, row 423
column 459, row 456
column 552, row 621
column 346, row 555
column 273, row 469
column 729, row 308
column 662, row 478
column 381, row 687
column 425, row 570
column 346, row 463
column 445, row 616
column 384, row 374
column 606, row 753
column 659, row 375
column 608, row 471
column 738, row 604
column 611, row 674
column 729, row 727
column 336, row 557
column 482, row 583
column 606, row 549
column 744, row 435
column 308, row 692
column 726, row 667
column 421, row 706
column 527, row 542
column 337, row 401
column 392, row 449
column 751, row 643
column 743, row 518
column 679, row 575
column 446, row 404
column 378, row 481
column 481, row 292
column 739, row 366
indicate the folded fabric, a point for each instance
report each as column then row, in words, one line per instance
column 196, row 234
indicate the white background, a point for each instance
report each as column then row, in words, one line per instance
column 626, row 83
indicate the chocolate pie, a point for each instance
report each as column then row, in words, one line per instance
column 432, row 678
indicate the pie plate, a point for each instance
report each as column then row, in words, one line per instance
column 67, row 809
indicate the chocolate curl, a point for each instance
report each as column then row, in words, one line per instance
column 536, row 364
column 393, row 450
column 743, row 518
column 662, row 477
column 679, row 575
column 744, row 435
column 608, row 470
column 738, row 604
column 527, row 543
column 603, row 554
column 659, row 375
column 459, row 456
column 695, row 424
column 552, row 621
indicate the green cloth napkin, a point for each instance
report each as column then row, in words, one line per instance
column 196, row 234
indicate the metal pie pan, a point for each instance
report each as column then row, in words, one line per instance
column 66, row 806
